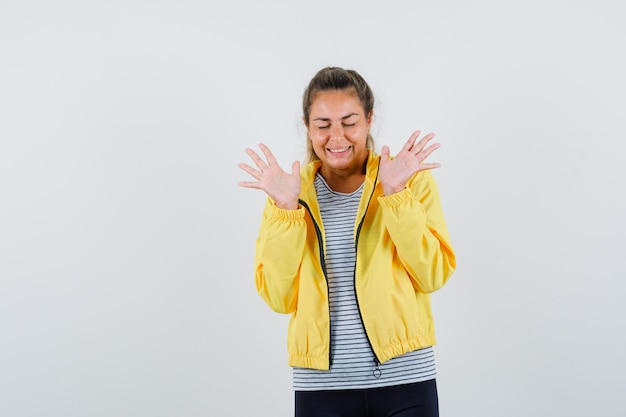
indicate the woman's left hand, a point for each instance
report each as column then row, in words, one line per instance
column 394, row 173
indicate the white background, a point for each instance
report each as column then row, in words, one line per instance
column 126, row 246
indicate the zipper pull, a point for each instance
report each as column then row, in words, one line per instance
column 377, row 372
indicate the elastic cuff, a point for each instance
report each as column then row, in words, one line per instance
column 396, row 198
column 276, row 212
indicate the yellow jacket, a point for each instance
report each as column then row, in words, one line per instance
column 403, row 253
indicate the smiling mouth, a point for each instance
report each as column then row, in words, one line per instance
column 338, row 150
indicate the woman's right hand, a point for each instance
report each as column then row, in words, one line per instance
column 282, row 187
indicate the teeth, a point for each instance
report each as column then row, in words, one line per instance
column 339, row 150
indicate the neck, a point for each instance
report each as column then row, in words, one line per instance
column 344, row 185
column 343, row 182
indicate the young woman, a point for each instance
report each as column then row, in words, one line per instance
column 351, row 246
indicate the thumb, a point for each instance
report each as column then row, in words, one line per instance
column 295, row 168
column 384, row 153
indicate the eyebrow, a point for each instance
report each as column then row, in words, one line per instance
column 325, row 119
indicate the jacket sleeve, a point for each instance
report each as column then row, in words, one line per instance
column 416, row 225
column 279, row 250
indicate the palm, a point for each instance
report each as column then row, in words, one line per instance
column 282, row 187
column 394, row 173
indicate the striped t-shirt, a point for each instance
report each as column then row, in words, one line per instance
column 353, row 363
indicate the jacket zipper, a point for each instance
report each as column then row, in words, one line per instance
column 376, row 372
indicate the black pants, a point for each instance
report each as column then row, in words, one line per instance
column 408, row 400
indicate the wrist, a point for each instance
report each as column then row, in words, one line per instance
column 388, row 190
column 292, row 205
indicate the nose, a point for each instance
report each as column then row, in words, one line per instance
column 336, row 132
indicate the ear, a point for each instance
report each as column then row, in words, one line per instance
column 370, row 117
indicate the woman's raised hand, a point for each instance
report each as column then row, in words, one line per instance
column 282, row 187
column 394, row 173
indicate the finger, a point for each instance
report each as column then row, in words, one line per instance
column 426, row 152
column 424, row 167
column 256, row 158
column 254, row 172
column 409, row 143
column 249, row 184
column 384, row 152
column 295, row 168
column 422, row 143
column 268, row 154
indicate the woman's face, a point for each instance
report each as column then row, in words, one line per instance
column 338, row 129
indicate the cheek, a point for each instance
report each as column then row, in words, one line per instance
column 356, row 134
column 318, row 138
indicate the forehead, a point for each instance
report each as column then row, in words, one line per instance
column 335, row 102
